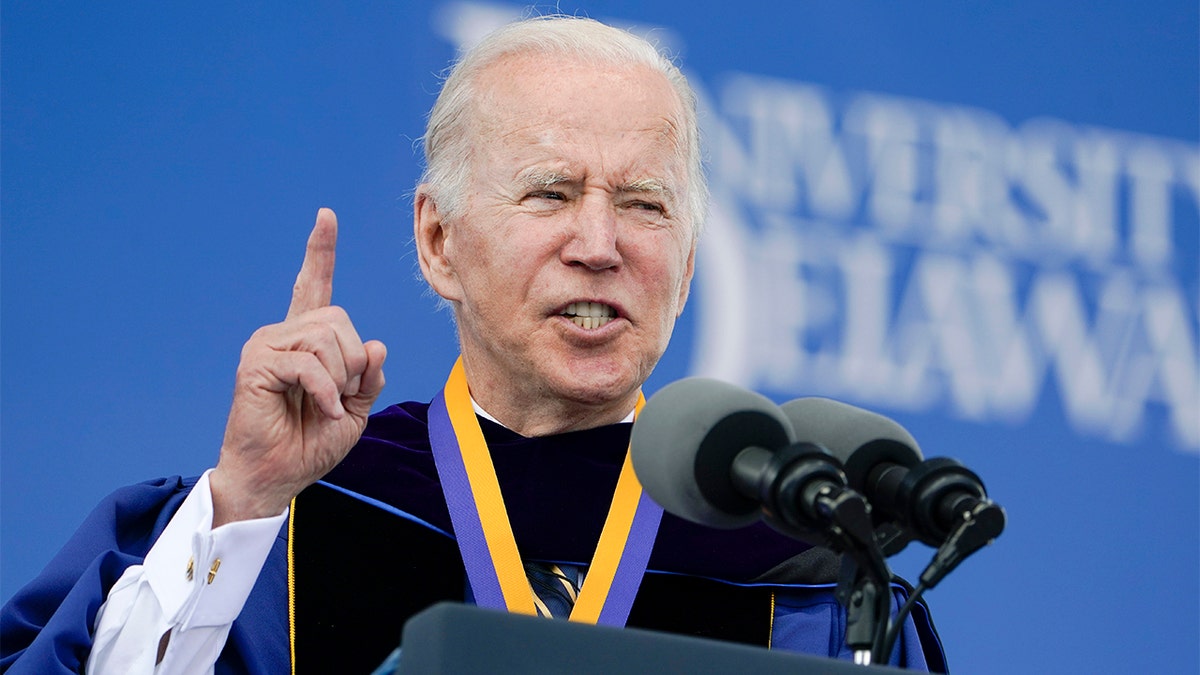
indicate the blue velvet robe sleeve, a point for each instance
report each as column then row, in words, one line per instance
column 47, row 626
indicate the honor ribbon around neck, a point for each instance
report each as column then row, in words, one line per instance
column 485, row 537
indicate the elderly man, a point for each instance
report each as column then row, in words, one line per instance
column 558, row 218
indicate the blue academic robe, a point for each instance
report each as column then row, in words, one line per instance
column 374, row 544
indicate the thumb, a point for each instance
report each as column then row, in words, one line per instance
column 371, row 384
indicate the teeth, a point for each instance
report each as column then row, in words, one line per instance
column 589, row 315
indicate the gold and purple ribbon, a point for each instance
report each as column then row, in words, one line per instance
column 485, row 537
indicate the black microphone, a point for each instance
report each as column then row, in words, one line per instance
column 928, row 499
column 719, row 455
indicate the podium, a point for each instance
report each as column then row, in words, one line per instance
column 456, row 639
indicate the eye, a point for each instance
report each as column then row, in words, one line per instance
column 646, row 206
column 545, row 200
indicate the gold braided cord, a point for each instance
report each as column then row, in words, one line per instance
column 291, row 576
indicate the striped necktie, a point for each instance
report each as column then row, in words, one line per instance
column 555, row 587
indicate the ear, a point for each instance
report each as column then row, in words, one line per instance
column 689, row 272
column 431, row 234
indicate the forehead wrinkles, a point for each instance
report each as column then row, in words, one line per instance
column 540, row 156
column 547, row 128
column 531, row 159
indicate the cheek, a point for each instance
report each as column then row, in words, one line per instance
column 675, row 263
column 502, row 272
column 666, row 283
column 477, row 250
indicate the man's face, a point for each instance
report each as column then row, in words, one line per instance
column 573, row 254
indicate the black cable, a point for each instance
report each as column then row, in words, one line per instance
column 979, row 527
column 895, row 626
column 883, row 615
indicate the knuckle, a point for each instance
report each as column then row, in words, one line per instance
column 357, row 359
column 311, row 333
column 249, row 369
column 257, row 336
column 251, row 352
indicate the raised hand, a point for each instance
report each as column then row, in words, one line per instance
column 303, row 392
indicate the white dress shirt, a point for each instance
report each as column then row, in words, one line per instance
column 193, row 583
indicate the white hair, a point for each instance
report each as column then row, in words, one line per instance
column 449, row 137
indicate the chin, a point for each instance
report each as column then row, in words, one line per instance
column 595, row 386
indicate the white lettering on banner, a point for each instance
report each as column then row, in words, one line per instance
column 901, row 253
column 931, row 257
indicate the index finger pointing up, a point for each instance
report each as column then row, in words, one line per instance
column 314, row 283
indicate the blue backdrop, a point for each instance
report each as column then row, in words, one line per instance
column 980, row 218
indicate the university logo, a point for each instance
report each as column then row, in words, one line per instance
column 923, row 256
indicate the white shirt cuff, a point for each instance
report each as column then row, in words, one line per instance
column 191, row 561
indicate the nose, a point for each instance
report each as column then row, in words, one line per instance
column 593, row 241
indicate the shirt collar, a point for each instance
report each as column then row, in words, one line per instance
column 488, row 416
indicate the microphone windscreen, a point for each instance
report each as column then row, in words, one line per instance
column 684, row 442
column 860, row 438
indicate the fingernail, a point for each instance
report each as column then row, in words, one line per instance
column 354, row 385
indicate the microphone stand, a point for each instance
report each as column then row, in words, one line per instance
column 863, row 583
column 803, row 493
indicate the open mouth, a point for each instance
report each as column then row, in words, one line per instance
column 589, row 315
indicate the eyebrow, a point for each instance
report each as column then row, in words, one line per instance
column 542, row 178
column 648, row 185
column 545, row 178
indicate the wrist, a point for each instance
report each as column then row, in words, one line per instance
column 236, row 500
